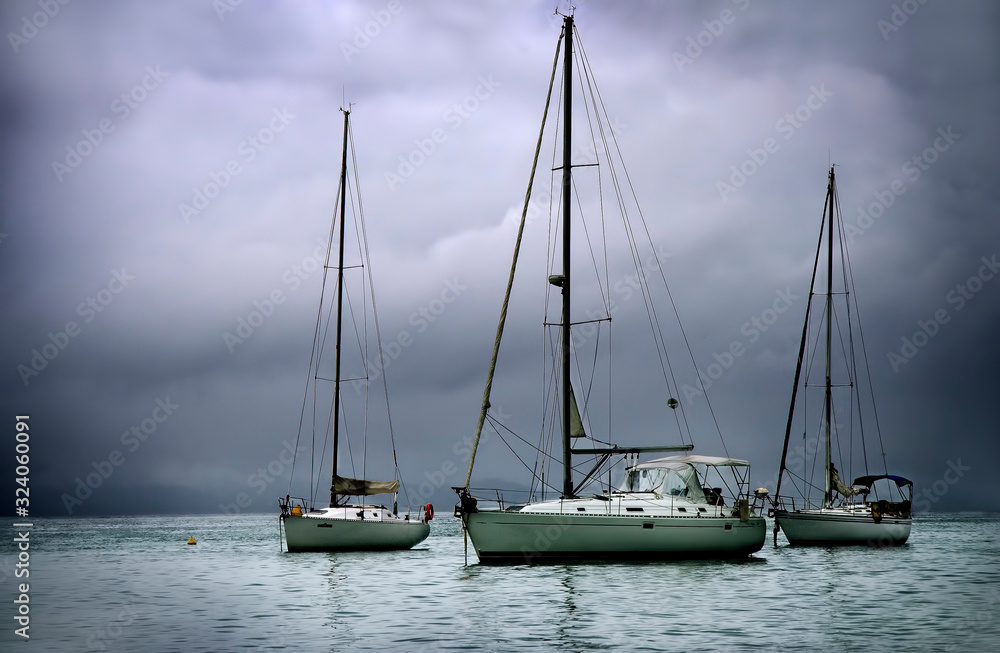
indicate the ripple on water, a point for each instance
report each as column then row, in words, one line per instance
column 133, row 584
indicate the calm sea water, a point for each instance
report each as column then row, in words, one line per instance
column 133, row 584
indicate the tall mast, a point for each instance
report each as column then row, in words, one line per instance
column 340, row 305
column 566, row 184
column 827, row 497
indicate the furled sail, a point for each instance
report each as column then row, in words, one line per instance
column 839, row 486
column 576, row 429
column 358, row 487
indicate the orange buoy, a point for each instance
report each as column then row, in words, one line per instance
column 191, row 541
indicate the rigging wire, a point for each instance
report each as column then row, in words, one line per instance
column 503, row 311
column 356, row 212
column 855, row 377
column 597, row 99
column 313, row 361
column 320, row 335
column 596, row 115
column 545, row 443
column 495, row 424
column 849, row 281
column 604, row 284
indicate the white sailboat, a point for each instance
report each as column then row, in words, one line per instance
column 344, row 525
column 876, row 508
column 664, row 508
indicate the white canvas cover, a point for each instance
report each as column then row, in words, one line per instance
column 667, row 479
column 696, row 459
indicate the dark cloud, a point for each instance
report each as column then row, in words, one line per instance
column 183, row 92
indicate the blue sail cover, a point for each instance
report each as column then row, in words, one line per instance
column 868, row 480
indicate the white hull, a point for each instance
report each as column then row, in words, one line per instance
column 531, row 535
column 343, row 529
column 837, row 526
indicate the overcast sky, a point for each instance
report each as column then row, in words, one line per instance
column 169, row 167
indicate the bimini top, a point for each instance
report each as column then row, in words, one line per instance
column 695, row 459
column 868, row 480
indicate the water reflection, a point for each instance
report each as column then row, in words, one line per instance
column 235, row 591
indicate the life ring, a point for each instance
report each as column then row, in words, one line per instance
column 428, row 512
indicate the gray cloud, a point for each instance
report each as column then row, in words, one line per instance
column 214, row 98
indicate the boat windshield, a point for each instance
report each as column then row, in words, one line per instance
column 679, row 480
column 643, row 480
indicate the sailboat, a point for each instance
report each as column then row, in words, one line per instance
column 345, row 525
column 876, row 508
column 669, row 507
